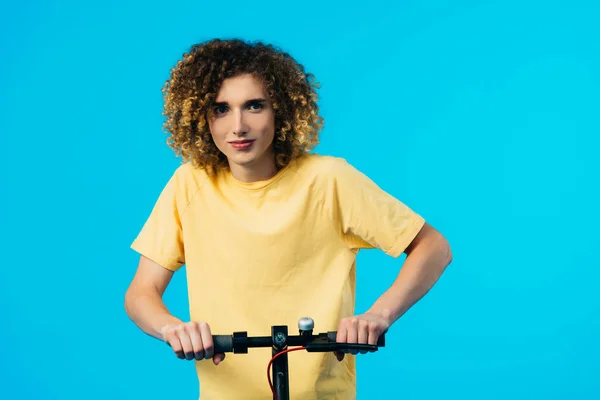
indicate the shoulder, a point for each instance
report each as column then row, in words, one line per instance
column 322, row 166
column 187, row 180
column 327, row 175
column 190, row 174
column 335, row 173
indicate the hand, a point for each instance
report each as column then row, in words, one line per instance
column 191, row 340
column 362, row 329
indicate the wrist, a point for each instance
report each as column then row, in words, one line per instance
column 383, row 313
column 164, row 324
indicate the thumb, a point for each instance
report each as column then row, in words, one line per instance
column 339, row 355
column 218, row 358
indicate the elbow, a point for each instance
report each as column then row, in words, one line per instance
column 447, row 252
column 128, row 301
column 443, row 249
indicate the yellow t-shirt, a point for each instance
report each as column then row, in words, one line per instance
column 268, row 253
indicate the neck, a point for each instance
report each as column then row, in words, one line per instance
column 254, row 173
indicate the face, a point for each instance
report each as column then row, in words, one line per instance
column 243, row 128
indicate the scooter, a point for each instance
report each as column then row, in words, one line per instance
column 279, row 341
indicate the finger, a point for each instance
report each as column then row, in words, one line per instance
column 218, row 358
column 173, row 340
column 363, row 334
column 196, row 340
column 186, row 343
column 374, row 334
column 207, row 340
column 342, row 334
column 353, row 334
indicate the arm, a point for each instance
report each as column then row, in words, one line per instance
column 143, row 300
column 144, row 305
column 428, row 255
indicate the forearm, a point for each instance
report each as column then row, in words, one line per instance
column 421, row 270
column 149, row 313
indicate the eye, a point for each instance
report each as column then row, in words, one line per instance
column 220, row 109
column 255, row 106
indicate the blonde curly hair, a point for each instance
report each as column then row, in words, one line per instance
column 196, row 79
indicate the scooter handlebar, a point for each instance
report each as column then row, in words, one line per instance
column 322, row 342
column 223, row 343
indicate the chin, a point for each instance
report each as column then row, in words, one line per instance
column 243, row 159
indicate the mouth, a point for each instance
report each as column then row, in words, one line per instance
column 241, row 144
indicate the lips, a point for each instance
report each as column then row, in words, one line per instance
column 241, row 144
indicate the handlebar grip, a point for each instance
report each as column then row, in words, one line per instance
column 223, row 343
column 380, row 341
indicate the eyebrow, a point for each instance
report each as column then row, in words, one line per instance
column 246, row 103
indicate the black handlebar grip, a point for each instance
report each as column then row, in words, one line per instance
column 223, row 343
column 380, row 342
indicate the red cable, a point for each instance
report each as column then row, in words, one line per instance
column 271, row 362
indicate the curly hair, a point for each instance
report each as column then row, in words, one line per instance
column 195, row 82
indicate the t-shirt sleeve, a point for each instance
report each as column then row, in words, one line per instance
column 369, row 217
column 161, row 238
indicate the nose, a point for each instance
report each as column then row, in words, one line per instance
column 240, row 127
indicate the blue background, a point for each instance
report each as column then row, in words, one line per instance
column 481, row 116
